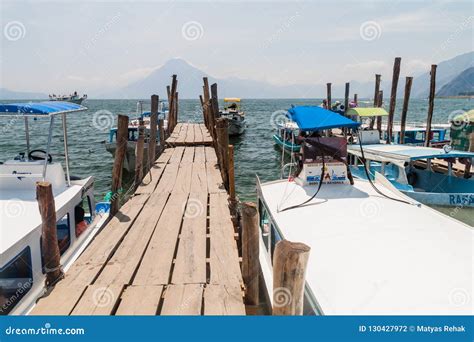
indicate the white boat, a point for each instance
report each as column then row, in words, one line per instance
column 374, row 251
column 129, row 161
column 74, row 98
column 22, row 280
column 235, row 116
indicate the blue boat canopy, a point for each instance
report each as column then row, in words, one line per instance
column 45, row 108
column 313, row 118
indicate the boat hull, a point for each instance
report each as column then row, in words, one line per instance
column 286, row 145
column 129, row 161
column 236, row 127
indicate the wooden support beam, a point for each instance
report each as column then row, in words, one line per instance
column 328, row 95
column 161, row 132
column 430, row 104
column 379, row 118
column 250, row 252
column 49, row 238
column 289, row 270
column 346, row 96
column 231, row 169
column 171, row 98
column 121, row 149
column 393, row 98
column 139, row 154
column 355, row 99
column 376, row 94
column 214, row 100
column 153, row 128
column 222, row 151
column 406, row 100
column 176, row 104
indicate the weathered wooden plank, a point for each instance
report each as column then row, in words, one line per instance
column 190, row 263
column 122, row 266
column 199, row 154
column 214, row 179
column 177, row 155
column 211, row 156
column 60, row 302
column 224, row 256
column 188, row 155
column 182, row 300
column 190, row 134
column 198, row 138
column 199, row 178
column 157, row 261
column 140, row 300
column 151, row 179
column 181, row 139
column 98, row 300
column 168, row 179
column 183, row 179
column 223, row 300
column 165, row 156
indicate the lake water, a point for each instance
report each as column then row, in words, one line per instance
column 255, row 153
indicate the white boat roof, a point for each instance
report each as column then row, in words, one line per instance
column 20, row 213
column 405, row 153
column 373, row 256
column 417, row 127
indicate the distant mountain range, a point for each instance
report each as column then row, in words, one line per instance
column 190, row 84
column 462, row 84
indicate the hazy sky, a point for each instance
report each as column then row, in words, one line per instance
column 58, row 46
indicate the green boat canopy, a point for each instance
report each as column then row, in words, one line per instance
column 367, row 111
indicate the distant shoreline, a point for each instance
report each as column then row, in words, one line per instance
column 456, row 97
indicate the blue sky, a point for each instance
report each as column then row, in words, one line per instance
column 55, row 46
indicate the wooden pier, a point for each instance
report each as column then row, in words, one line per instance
column 170, row 250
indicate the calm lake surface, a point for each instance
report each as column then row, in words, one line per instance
column 255, row 153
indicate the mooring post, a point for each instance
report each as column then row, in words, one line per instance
column 346, row 96
column 231, row 171
column 406, row 100
column 328, row 95
column 289, row 270
column 393, row 98
column 430, row 104
column 161, row 132
column 214, row 104
column 176, row 105
column 206, row 123
column 223, row 148
column 379, row 118
column 376, row 94
column 121, row 149
column 208, row 109
column 174, row 84
column 49, row 238
column 153, row 129
column 250, row 252
column 139, row 154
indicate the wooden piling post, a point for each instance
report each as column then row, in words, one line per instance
column 289, row 270
column 346, row 96
column 139, row 154
column 393, row 98
column 208, row 110
column 161, row 131
column 379, row 118
column 153, row 129
column 430, row 104
column 406, row 100
column 376, row 94
column 176, row 105
column 223, row 148
column 355, row 99
column 214, row 100
column 121, row 149
column 49, row 238
column 231, row 172
column 174, row 84
column 328, row 96
column 250, row 252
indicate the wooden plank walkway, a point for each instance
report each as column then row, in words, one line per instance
column 189, row 134
column 171, row 249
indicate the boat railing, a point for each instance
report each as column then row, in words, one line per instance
column 284, row 167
